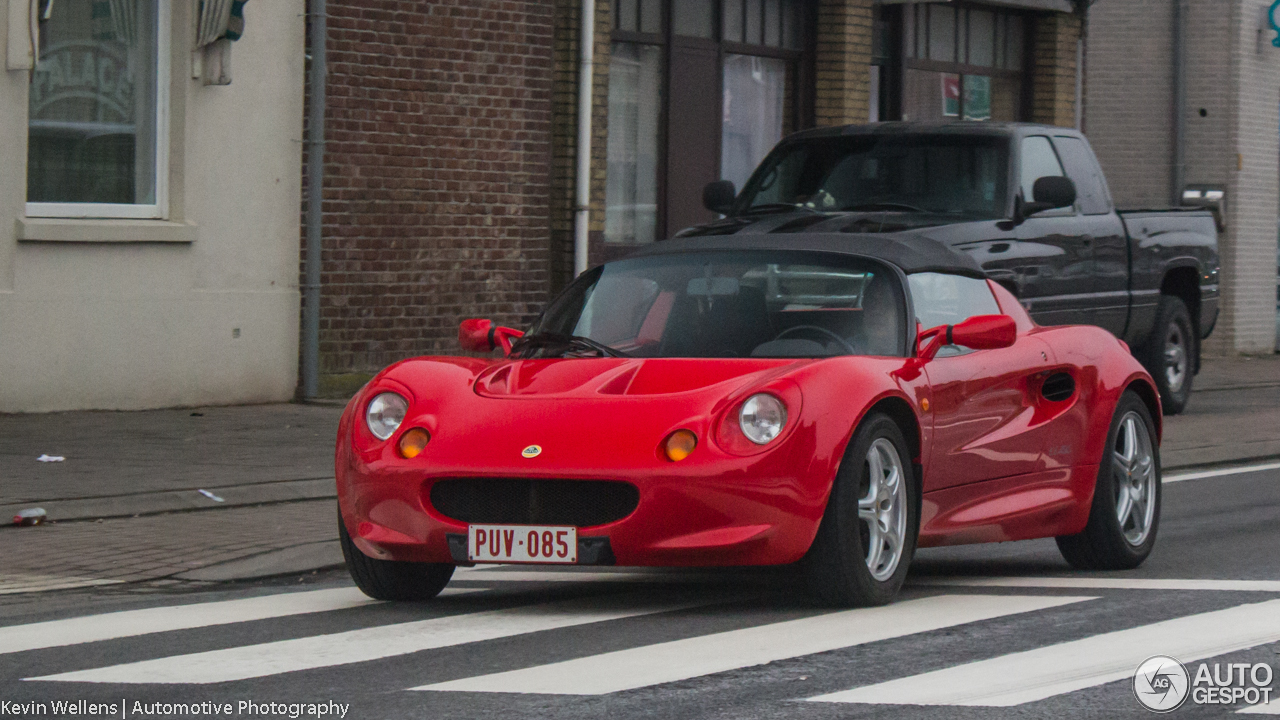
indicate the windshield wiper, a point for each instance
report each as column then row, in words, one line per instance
column 546, row 339
column 884, row 206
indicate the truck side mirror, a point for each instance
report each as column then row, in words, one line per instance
column 1056, row 192
column 718, row 196
column 1049, row 193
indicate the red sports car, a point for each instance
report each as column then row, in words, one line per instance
column 831, row 400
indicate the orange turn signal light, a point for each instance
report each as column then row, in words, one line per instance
column 413, row 442
column 679, row 445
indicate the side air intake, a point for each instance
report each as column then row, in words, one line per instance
column 1058, row 387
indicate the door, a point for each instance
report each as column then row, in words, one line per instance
column 693, row 136
column 1054, row 274
column 981, row 404
column 1107, row 304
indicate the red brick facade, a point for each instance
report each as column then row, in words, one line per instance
column 438, row 161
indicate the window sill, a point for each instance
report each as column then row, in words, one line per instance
column 81, row 230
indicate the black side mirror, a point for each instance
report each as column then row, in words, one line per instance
column 718, row 196
column 1050, row 193
column 1056, row 192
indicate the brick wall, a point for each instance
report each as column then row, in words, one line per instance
column 1232, row 115
column 842, row 63
column 1248, row 321
column 1054, row 41
column 1129, row 104
column 438, row 160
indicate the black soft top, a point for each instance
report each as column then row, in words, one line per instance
column 913, row 254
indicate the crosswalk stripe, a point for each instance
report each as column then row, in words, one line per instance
column 110, row 626
column 1271, row 708
column 273, row 658
column 697, row 656
column 1037, row 674
column 1220, row 473
column 1088, row 583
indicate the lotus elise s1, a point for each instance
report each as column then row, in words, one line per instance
column 829, row 401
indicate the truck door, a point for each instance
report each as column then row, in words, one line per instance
column 1054, row 274
column 1107, row 304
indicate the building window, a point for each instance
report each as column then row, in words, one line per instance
column 962, row 62
column 635, row 101
column 698, row 90
column 97, row 114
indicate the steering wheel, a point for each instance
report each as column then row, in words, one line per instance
column 821, row 331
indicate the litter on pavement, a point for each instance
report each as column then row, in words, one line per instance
column 50, row 458
column 211, row 496
column 30, row 516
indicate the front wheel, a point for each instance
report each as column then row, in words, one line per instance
column 1125, row 513
column 869, row 529
column 389, row 579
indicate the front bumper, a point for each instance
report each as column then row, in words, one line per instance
column 736, row 511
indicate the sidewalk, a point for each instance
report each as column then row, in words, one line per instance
column 126, row 506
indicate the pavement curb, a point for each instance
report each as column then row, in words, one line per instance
column 186, row 500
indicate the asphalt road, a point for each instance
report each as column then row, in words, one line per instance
column 1005, row 631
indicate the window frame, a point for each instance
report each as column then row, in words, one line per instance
column 914, row 45
column 159, row 210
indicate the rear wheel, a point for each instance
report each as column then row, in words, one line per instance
column 389, row 579
column 1126, row 500
column 1170, row 354
column 868, row 532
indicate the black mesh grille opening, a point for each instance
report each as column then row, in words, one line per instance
column 582, row 503
column 1058, row 387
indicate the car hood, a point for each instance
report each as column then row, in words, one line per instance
column 606, row 377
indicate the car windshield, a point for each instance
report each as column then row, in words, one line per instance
column 945, row 174
column 722, row 305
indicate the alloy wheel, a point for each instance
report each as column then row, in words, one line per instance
column 882, row 509
column 1133, row 466
column 1175, row 358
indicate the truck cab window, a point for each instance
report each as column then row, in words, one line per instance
column 1038, row 160
column 1091, row 188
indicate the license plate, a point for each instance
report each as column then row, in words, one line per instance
column 522, row 543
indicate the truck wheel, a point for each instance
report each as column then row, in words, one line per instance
column 1171, row 354
column 391, row 580
column 1125, row 513
column 868, row 532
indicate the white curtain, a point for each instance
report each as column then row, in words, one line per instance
column 215, row 15
column 753, row 104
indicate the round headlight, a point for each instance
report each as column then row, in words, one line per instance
column 386, row 412
column 762, row 418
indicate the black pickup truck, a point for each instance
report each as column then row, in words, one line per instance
column 1029, row 202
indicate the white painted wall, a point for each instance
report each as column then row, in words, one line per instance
column 128, row 325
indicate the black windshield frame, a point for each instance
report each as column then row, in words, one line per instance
column 835, row 149
column 562, row 315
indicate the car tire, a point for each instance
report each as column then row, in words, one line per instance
column 1115, row 538
column 1172, row 354
column 389, row 579
column 838, row 566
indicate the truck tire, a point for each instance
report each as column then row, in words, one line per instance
column 868, row 532
column 1125, row 513
column 391, row 580
column 1172, row 354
